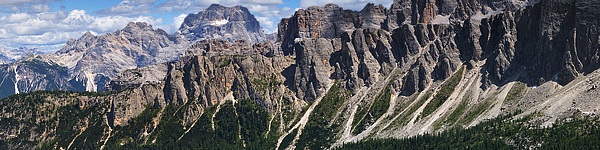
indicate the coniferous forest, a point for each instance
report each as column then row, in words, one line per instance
column 249, row 130
column 500, row 133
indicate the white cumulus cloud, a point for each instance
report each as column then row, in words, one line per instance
column 130, row 8
column 30, row 6
column 46, row 30
column 346, row 4
column 195, row 5
column 266, row 23
column 38, row 8
column 177, row 21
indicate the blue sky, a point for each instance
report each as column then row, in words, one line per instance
column 48, row 24
column 98, row 5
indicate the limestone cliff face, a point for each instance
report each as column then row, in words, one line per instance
column 420, row 45
column 562, row 40
column 326, row 22
column 517, row 40
column 226, row 68
column 361, row 52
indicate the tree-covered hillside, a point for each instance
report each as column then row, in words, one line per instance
column 500, row 133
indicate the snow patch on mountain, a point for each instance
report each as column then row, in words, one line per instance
column 16, row 80
column 219, row 22
column 90, row 85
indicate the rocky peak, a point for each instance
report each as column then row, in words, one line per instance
column 373, row 15
column 220, row 22
column 132, row 27
column 316, row 22
column 446, row 11
column 214, row 7
column 77, row 45
column 218, row 12
column 87, row 34
column 94, row 59
column 328, row 7
column 134, row 32
column 329, row 21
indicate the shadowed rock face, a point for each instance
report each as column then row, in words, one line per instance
column 220, row 22
column 32, row 75
column 519, row 40
column 560, row 39
column 332, row 43
column 326, row 22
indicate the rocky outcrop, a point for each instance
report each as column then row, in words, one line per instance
column 435, row 37
column 313, row 70
column 220, row 22
column 325, row 22
column 134, row 78
column 224, row 67
column 363, row 53
column 562, row 40
column 533, row 45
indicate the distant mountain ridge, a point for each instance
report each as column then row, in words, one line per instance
column 11, row 55
column 93, row 60
column 220, row 22
column 90, row 61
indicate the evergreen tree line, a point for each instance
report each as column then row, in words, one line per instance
column 499, row 133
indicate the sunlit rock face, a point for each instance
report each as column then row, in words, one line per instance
column 220, row 22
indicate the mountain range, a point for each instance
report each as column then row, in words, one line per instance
column 332, row 77
column 11, row 55
column 90, row 62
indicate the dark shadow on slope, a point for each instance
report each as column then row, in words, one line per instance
column 289, row 74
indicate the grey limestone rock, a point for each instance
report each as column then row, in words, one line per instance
column 220, row 22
